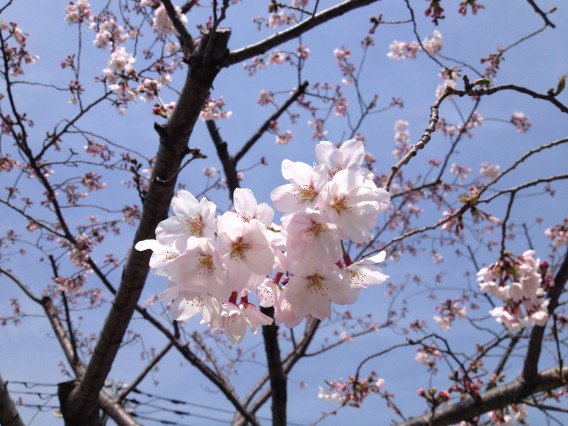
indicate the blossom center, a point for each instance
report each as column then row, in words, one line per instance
column 316, row 284
column 195, row 225
column 316, row 229
column 206, row 263
column 239, row 249
column 170, row 255
column 307, row 192
column 340, row 204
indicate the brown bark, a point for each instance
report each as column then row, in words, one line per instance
column 9, row 415
column 82, row 400
column 493, row 399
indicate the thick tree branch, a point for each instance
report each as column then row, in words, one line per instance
column 278, row 380
column 493, row 399
column 9, row 415
column 218, row 381
column 174, row 139
column 289, row 361
column 297, row 30
column 106, row 403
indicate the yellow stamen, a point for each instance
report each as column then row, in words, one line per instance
column 239, row 249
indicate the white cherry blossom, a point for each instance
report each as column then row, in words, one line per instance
column 302, row 192
column 191, row 218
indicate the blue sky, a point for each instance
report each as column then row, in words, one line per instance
column 538, row 63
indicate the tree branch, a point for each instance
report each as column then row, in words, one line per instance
column 291, row 33
column 278, row 379
column 9, row 415
column 249, row 144
column 541, row 13
column 82, row 400
column 228, row 162
column 144, row 372
column 495, row 398
column 184, row 37
column 470, row 91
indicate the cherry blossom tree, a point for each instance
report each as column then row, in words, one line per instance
column 321, row 209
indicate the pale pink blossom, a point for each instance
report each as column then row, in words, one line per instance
column 265, row 98
column 319, row 129
column 284, row 138
column 236, row 318
column 245, row 250
column 191, row 218
column 270, row 294
column 489, row 171
column 277, row 57
column 162, row 255
column 519, row 285
column 433, row 45
column 280, row 18
column 349, row 155
column 443, row 322
column 121, row 60
column 311, row 235
column 403, row 50
column 247, row 208
column 303, row 51
column 353, row 203
column 77, row 12
column 162, row 23
column 461, row 172
column 199, row 269
column 346, row 337
column 329, row 396
column 254, row 317
column 442, row 88
column 313, row 287
column 109, row 33
column 210, row 172
column 184, row 305
column 558, row 234
column 365, row 272
column 213, row 110
column 521, row 122
column 302, row 192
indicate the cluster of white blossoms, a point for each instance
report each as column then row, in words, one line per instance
column 214, row 262
column 517, row 281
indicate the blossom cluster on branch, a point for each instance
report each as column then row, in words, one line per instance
column 519, row 282
column 213, row 260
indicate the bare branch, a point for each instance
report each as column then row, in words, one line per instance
column 291, row 33
column 228, row 161
column 541, row 13
column 249, row 144
column 144, row 373
column 470, row 91
column 426, row 136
